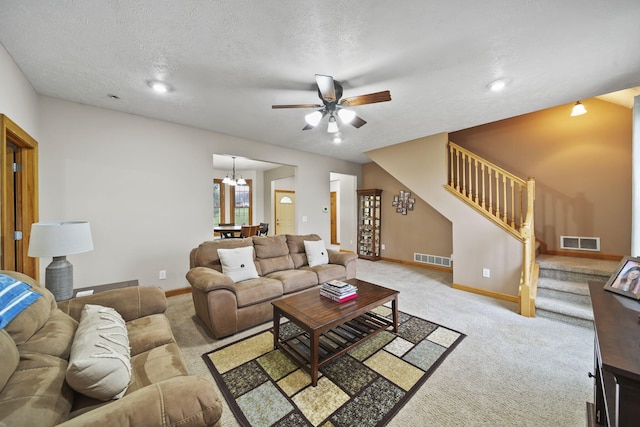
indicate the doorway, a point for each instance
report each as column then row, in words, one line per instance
column 334, row 218
column 285, row 211
column 19, row 204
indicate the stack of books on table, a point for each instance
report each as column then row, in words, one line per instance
column 338, row 291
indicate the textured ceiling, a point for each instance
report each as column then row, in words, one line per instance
column 228, row 61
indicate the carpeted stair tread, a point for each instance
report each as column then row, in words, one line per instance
column 577, row 288
column 589, row 266
column 564, row 308
column 563, row 292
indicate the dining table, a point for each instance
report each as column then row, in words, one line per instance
column 225, row 230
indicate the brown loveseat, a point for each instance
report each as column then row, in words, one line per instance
column 36, row 346
column 226, row 307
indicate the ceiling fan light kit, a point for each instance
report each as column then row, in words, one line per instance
column 313, row 118
column 330, row 93
column 346, row 115
column 333, row 125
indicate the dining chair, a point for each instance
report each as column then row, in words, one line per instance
column 249, row 230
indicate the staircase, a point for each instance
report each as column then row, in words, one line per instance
column 563, row 293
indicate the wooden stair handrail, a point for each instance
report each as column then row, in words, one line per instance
column 500, row 196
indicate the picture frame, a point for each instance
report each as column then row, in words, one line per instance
column 626, row 279
column 403, row 202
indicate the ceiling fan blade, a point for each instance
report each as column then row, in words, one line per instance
column 326, row 87
column 296, row 106
column 370, row 98
column 357, row 122
column 307, row 127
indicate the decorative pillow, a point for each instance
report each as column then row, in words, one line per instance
column 316, row 252
column 100, row 361
column 237, row 263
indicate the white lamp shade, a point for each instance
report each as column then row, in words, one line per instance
column 54, row 239
column 333, row 125
column 346, row 115
column 313, row 118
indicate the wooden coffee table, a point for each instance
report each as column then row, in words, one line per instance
column 329, row 328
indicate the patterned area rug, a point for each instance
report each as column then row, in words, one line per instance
column 366, row 386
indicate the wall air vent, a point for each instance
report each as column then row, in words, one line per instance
column 432, row 259
column 577, row 243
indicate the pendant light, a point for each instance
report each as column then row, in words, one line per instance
column 578, row 109
column 231, row 180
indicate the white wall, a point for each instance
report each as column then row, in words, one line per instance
column 145, row 186
column 18, row 100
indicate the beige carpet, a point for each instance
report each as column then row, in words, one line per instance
column 508, row 371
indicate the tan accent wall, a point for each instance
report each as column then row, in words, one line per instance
column 582, row 168
column 477, row 242
column 423, row 230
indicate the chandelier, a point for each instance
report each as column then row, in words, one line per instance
column 232, row 180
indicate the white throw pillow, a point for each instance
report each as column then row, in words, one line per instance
column 100, row 361
column 316, row 252
column 237, row 263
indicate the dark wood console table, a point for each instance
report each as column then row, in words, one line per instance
column 617, row 359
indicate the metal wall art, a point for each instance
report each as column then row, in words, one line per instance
column 403, row 202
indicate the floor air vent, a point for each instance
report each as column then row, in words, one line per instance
column 432, row 259
column 580, row 243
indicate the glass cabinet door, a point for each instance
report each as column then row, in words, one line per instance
column 369, row 223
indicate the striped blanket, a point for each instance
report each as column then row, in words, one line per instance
column 15, row 296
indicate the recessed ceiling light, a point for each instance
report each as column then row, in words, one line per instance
column 158, row 86
column 497, row 85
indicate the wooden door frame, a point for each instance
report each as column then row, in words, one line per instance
column 27, row 154
column 333, row 196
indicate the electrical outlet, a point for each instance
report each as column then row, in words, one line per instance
column 382, row 246
column 162, row 275
column 486, row 272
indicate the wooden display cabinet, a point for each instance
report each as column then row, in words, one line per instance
column 369, row 223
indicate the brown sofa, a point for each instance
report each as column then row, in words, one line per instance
column 226, row 307
column 36, row 346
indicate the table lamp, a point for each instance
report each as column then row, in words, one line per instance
column 57, row 240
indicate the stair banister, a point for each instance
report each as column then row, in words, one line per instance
column 500, row 198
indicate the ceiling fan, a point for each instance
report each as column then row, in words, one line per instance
column 330, row 92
